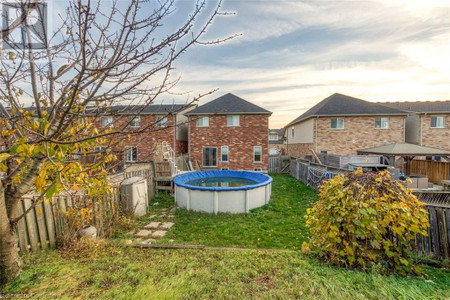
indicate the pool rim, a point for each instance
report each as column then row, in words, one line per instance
column 260, row 178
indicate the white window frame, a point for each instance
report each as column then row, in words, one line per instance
column 337, row 123
column 233, row 120
column 127, row 149
column 228, row 154
column 260, row 154
column 273, row 137
column 202, row 121
column 106, row 124
column 161, row 121
column 437, row 118
column 203, row 161
column 383, row 121
column 135, row 122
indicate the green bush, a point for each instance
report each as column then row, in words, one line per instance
column 366, row 220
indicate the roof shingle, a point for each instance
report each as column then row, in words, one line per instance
column 421, row 106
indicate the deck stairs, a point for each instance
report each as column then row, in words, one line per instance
column 165, row 167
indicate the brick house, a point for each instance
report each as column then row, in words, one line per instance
column 427, row 123
column 342, row 124
column 229, row 133
column 276, row 141
column 152, row 124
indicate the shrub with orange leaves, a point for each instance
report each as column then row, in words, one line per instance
column 365, row 220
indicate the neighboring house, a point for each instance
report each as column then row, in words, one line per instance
column 158, row 123
column 427, row 123
column 229, row 133
column 276, row 141
column 342, row 124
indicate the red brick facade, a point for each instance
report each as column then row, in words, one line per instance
column 241, row 140
column 145, row 141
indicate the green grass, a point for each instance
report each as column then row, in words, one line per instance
column 129, row 273
column 278, row 225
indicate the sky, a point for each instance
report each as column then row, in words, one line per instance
column 292, row 54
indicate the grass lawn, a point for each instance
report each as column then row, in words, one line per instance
column 131, row 273
column 278, row 225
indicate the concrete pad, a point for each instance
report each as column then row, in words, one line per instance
column 159, row 233
column 143, row 233
column 152, row 225
column 167, row 225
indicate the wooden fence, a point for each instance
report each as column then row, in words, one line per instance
column 312, row 174
column 42, row 225
column 434, row 170
column 275, row 163
column 437, row 243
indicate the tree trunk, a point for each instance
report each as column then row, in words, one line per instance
column 10, row 263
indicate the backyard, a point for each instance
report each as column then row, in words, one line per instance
column 269, row 266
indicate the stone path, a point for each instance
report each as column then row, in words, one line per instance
column 156, row 229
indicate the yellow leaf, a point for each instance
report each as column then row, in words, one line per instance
column 4, row 156
column 75, row 187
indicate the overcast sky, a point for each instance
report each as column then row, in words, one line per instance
column 292, row 54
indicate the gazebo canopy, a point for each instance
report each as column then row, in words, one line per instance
column 404, row 149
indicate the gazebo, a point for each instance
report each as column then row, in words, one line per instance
column 405, row 150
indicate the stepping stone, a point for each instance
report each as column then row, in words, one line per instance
column 167, row 225
column 173, row 210
column 152, row 225
column 143, row 233
column 152, row 216
column 149, row 241
column 171, row 241
column 159, row 233
column 130, row 233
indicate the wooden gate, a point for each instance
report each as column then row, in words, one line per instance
column 275, row 163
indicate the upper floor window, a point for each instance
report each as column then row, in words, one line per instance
column 337, row 123
column 437, row 122
column 161, row 121
column 232, row 120
column 135, row 122
column 257, row 154
column 131, row 154
column 107, row 121
column 382, row 123
column 224, row 152
column 273, row 137
column 292, row 132
column 203, row 122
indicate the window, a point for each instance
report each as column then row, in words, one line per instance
column 337, row 123
column 437, row 122
column 161, row 121
column 224, row 152
column 257, row 154
column 210, row 157
column 135, row 122
column 99, row 149
column 382, row 123
column 232, row 121
column 292, row 131
column 203, row 122
column 107, row 122
column 131, row 154
column 273, row 137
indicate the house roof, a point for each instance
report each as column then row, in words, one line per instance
column 149, row 109
column 276, row 131
column 228, row 104
column 404, row 149
column 342, row 105
column 421, row 106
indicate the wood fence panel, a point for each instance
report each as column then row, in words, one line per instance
column 50, row 223
column 435, row 171
column 21, row 230
column 42, row 230
column 31, row 225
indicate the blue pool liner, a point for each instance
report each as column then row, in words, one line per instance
column 261, row 179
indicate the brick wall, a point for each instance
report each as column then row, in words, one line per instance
column 143, row 141
column 435, row 137
column 358, row 133
column 300, row 149
column 240, row 140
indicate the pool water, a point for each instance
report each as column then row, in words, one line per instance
column 221, row 182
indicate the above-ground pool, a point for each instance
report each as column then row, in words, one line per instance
column 222, row 191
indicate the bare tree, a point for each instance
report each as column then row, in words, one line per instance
column 102, row 54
